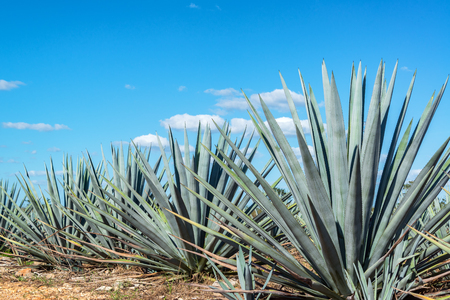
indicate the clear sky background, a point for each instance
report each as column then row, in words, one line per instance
column 78, row 75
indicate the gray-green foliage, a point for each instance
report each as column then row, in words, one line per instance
column 353, row 217
column 137, row 202
column 46, row 229
column 246, row 277
column 123, row 212
column 9, row 195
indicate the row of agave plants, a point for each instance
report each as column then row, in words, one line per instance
column 358, row 234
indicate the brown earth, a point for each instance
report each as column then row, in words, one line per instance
column 35, row 282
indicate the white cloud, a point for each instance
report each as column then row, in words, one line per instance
column 179, row 122
column 238, row 125
column 39, row 182
column 224, row 92
column 150, row 140
column 129, row 86
column 406, row 69
column 413, row 174
column 218, row 7
column 298, row 153
column 288, row 127
column 181, row 88
column 192, row 5
column 12, row 161
column 276, row 99
column 32, row 152
column 9, row 85
column 36, row 173
column 38, row 126
column 232, row 103
column 27, row 143
column 191, row 149
column 33, row 173
column 53, row 149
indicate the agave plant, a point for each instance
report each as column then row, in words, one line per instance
column 135, row 202
column 355, row 224
column 63, row 226
column 8, row 196
column 246, row 277
column 45, row 229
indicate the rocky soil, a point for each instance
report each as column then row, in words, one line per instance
column 34, row 281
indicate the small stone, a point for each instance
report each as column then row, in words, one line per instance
column 104, row 288
column 216, row 284
column 24, row 272
column 233, row 281
column 77, row 278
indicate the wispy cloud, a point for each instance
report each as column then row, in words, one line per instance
column 191, row 149
column 129, row 86
column 413, row 174
column 218, row 7
column 298, row 153
column 9, row 85
column 38, row 126
column 181, row 88
column 223, row 92
column 230, row 99
column 11, row 161
column 33, row 173
column 190, row 122
column 3, row 146
column 31, row 151
column 237, row 125
column 53, row 149
column 150, row 140
column 27, row 142
column 288, row 128
column 406, row 69
column 192, row 5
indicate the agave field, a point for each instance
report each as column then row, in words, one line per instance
column 359, row 235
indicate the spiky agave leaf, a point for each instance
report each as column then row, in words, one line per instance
column 137, row 201
column 48, row 229
column 8, row 196
column 246, row 280
column 350, row 221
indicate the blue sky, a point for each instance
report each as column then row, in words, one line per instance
column 75, row 76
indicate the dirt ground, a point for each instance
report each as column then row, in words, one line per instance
column 34, row 282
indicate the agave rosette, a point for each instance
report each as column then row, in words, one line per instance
column 136, row 202
column 355, row 223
